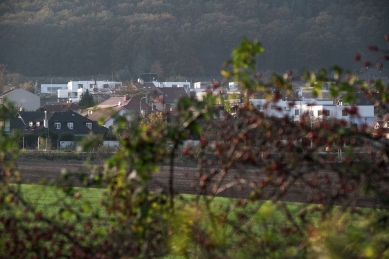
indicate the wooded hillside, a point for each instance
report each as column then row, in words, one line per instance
column 183, row 37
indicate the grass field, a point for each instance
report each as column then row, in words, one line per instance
column 264, row 219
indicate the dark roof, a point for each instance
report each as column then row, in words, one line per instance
column 172, row 94
column 79, row 123
column 361, row 99
column 63, row 107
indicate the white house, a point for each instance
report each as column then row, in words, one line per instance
column 340, row 112
column 186, row 85
column 233, row 86
column 317, row 110
column 76, row 88
column 202, row 85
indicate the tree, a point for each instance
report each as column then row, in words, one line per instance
column 86, row 99
column 257, row 159
column 124, row 75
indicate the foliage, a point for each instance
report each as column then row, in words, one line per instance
column 144, row 35
column 257, row 159
column 124, row 75
column 86, row 99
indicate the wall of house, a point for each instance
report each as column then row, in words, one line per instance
column 22, row 98
column 122, row 112
column 186, row 85
column 366, row 113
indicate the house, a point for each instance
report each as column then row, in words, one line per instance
column 107, row 115
column 167, row 100
column 317, row 110
column 22, row 99
column 118, row 105
column 52, row 88
column 380, row 127
column 62, row 107
column 202, row 85
column 340, row 112
column 57, row 122
column 76, row 88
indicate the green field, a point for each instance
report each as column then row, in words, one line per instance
column 262, row 220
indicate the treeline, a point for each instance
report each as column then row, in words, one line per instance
column 183, row 37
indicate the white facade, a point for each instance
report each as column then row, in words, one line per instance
column 108, row 123
column 52, row 88
column 317, row 110
column 186, row 85
column 201, row 85
column 76, row 88
column 233, row 86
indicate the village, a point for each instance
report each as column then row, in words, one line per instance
column 68, row 122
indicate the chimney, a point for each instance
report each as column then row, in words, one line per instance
column 45, row 122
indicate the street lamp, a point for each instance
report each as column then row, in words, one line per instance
column 140, row 107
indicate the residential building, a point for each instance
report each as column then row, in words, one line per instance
column 76, row 88
column 380, row 127
column 167, row 100
column 22, row 99
column 58, row 122
column 317, row 110
column 118, row 105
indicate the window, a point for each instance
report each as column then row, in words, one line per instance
column 89, row 125
column 70, row 125
column 57, row 125
column 90, row 85
column 31, row 124
column 259, row 107
column 79, row 86
column 297, row 112
column 319, row 112
column 326, row 112
column 38, row 123
column 287, row 108
column 344, row 113
column 174, row 85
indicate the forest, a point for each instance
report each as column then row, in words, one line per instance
column 183, row 37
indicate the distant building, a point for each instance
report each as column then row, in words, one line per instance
column 167, row 100
column 58, row 122
column 22, row 99
column 202, row 85
column 52, row 88
column 148, row 77
column 118, row 105
column 186, row 85
column 76, row 88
